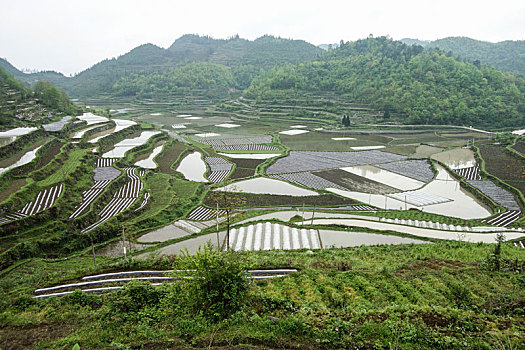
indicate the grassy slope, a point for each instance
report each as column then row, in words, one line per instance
column 410, row 297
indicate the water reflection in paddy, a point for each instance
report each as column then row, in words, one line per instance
column 265, row 185
column 120, row 124
column 6, row 137
column 148, row 163
column 193, row 167
column 90, row 118
column 26, row 158
column 457, row 158
column 123, row 146
column 463, row 204
column 385, row 177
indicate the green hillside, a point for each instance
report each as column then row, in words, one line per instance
column 427, row 296
column 409, row 83
column 126, row 74
column 509, row 56
column 20, row 103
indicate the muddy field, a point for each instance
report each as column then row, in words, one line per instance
column 354, row 182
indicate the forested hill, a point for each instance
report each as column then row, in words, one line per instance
column 416, row 85
column 234, row 61
column 508, row 56
column 20, row 104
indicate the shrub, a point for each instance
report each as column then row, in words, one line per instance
column 136, row 295
column 216, row 282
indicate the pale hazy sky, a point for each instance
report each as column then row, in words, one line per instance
column 71, row 35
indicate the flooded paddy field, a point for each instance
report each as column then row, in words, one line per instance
column 291, row 164
column 120, row 149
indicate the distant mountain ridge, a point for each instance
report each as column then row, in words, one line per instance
column 509, row 56
column 235, row 60
column 246, row 58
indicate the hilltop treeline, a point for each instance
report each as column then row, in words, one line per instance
column 421, row 86
column 19, row 99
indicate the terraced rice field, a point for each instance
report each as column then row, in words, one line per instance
column 176, row 136
column 44, row 200
column 264, row 185
column 120, row 124
column 202, row 213
column 298, row 161
column 149, row 162
column 384, row 177
column 169, row 156
column 104, row 174
column 496, row 193
column 353, row 182
column 122, row 147
column 90, row 118
column 147, row 195
column 25, row 159
column 240, row 143
column 415, row 169
column 122, row 200
column 219, row 168
column 419, row 198
column 470, row 173
column 307, row 179
column 499, row 162
column 57, row 126
column 504, row 219
column 268, row 236
column 79, row 134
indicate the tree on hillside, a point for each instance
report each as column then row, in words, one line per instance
column 229, row 202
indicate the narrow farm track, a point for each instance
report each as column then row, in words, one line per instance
column 104, row 175
column 44, row 200
column 144, row 202
column 470, row 173
column 117, row 280
column 219, row 168
column 122, row 200
column 202, row 213
column 268, row 236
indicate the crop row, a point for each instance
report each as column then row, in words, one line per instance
column 122, row 200
column 269, row 236
column 203, row 213
column 105, row 162
column 219, row 168
column 504, row 219
column 298, row 161
column 497, row 194
column 104, row 174
column 247, row 147
column 470, row 173
column 418, row 197
column 219, row 143
column 44, row 200
column 308, row 180
column 415, row 169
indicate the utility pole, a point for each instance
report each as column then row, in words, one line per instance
column 124, row 244
column 217, row 223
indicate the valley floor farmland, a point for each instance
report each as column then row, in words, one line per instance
column 289, row 200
